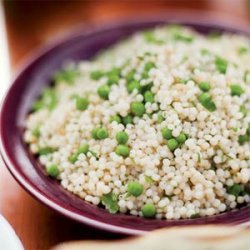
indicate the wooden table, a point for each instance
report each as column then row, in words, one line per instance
column 31, row 24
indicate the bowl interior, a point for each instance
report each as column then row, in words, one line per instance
column 83, row 44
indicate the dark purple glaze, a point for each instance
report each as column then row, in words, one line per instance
column 82, row 44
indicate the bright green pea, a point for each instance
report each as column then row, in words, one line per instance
column 127, row 120
column 166, row 133
column 148, row 210
column 103, row 91
column 115, row 118
column 96, row 75
column 73, row 158
column 45, row 151
column 137, row 108
column 133, row 85
column 181, row 138
column 94, row 133
column 206, row 101
column 236, row 89
column 121, row 137
column 221, row 65
column 204, row 86
column 82, row 103
column 101, row 133
column 53, row 170
column 122, row 150
column 113, row 76
column 113, row 79
column 149, row 96
column 172, row 144
column 204, row 97
column 83, row 149
column 135, row 188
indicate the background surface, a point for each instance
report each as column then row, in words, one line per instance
column 30, row 24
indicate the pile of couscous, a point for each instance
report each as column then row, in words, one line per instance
column 156, row 126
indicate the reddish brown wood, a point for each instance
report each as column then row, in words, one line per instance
column 30, row 24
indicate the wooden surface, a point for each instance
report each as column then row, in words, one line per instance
column 31, row 24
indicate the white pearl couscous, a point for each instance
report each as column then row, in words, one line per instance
column 156, row 126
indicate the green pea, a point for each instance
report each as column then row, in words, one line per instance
column 73, row 158
column 148, row 210
column 181, row 138
column 235, row 190
column 166, row 133
column 206, row 101
column 82, row 103
column 148, row 66
column 121, row 137
column 172, row 144
column 130, row 76
column 53, row 170
column 135, row 188
column 160, row 118
column 149, row 96
column 221, row 65
column 94, row 133
column 115, row 118
column 127, row 120
column 36, row 132
column 243, row 110
column 45, row 151
column 101, row 133
column 67, row 76
column 137, row 108
column 133, row 85
column 122, row 150
column 103, row 91
column 113, row 76
column 96, row 75
column 243, row 139
column 83, row 149
column 113, row 79
column 204, row 86
column 236, row 90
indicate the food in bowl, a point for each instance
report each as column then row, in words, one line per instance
column 156, row 126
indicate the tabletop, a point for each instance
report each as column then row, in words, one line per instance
column 29, row 28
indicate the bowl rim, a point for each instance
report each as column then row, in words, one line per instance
column 82, row 30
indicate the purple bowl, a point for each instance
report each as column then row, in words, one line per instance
column 81, row 44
